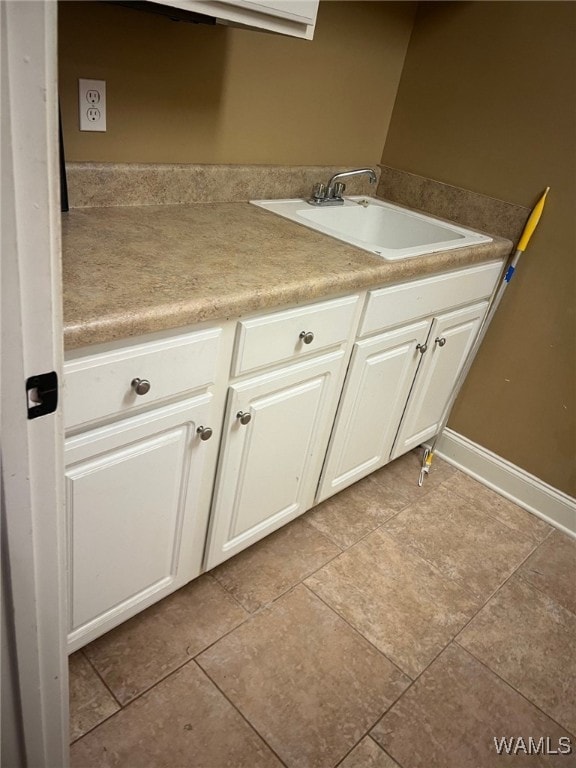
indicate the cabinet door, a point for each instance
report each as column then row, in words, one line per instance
column 296, row 18
column 451, row 337
column 270, row 466
column 137, row 513
column 375, row 393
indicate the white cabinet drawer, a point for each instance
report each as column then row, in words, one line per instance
column 279, row 337
column 397, row 304
column 100, row 385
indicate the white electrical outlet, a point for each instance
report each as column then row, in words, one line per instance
column 92, row 104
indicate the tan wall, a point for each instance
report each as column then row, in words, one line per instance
column 188, row 93
column 486, row 101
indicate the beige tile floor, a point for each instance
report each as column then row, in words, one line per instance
column 391, row 627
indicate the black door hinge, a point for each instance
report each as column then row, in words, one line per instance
column 42, row 394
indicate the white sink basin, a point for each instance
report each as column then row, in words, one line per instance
column 381, row 228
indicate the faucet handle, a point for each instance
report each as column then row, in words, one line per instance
column 339, row 188
column 319, row 191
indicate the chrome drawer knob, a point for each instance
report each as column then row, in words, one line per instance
column 205, row 433
column 141, row 386
column 243, row 417
column 440, row 340
column 307, row 337
column 421, row 348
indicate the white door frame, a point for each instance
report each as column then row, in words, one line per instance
column 33, row 566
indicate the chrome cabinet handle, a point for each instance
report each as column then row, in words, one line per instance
column 421, row 348
column 307, row 337
column 141, row 386
column 440, row 340
column 244, row 417
column 205, row 433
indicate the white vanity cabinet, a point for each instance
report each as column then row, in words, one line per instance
column 296, row 18
column 185, row 448
column 278, row 422
column 450, row 338
column 403, row 368
column 139, row 474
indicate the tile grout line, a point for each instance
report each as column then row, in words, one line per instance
column 495, row 592
column 452, row 641
column 156, row 682
column 329, row 539
column 499, row 520
column 228, row 592
column 398, row 763
column 103, row 681
column 357, row 632
column 535, row 546
column 367, row 736
column 97, row 673
column 291, row 586
column 377, row 527
column 313, row 594
column 135, row 698
column 251, row 726
column 444, row 578
column 543, row 593
column 507, row 683
column 380, row 653
column 193, row 661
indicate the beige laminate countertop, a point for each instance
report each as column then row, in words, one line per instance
column 128, row 271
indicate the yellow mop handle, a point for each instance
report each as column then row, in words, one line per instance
column 532, row 222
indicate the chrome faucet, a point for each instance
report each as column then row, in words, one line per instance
column 332, row 193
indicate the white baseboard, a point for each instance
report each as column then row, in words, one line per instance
column 510, row 481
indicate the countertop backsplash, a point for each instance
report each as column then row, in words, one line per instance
column 101, row 185
column 470, row 209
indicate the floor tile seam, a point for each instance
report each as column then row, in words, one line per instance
column 363, row 536
column 317, row 530
column 404, row 693
column 288, row 589
column 366, row 735
column 160, row 680
column 231, row 594
column 452, row 637
column 142, row 693
column 131, row 701
column 545, row 594
column 239, row 711
column 434, row 567
column 351, row 546
column 94, row 727
column 257, row 612
column 326, row 535
column 391, row 489
column 491, row 596
column 175, row 669
column 513, row 687
column 415, row 553
column 357, row 632
column 535, row 546
column 503, row 522
column 281, row 594
column 312, row 573
column 398, row 763
column 336, row 544
column 100, row 677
